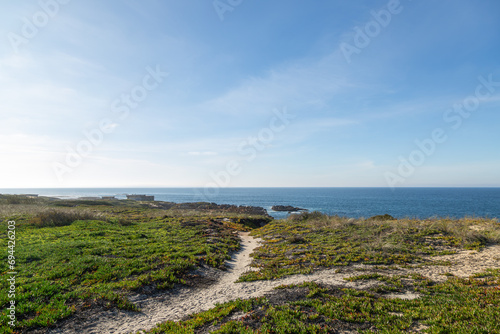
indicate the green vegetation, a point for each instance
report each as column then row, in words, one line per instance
column 78, row 256
column 310, row 241
column 456, row 306
column 74, row 256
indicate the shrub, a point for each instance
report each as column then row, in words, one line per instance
column 315, row 215
column 16, row 199
column 296, row 239
column 382, row 217
column 51, row 218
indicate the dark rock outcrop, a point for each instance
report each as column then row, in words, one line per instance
column 287, row 208
column 208, row 207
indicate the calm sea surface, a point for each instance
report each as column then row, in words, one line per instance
column 351, row 202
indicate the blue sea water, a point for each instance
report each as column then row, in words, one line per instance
column 350, row 202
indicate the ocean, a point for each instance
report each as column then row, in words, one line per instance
column 349, row 202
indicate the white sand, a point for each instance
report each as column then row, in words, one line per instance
column 463, row 264
column 178, row 304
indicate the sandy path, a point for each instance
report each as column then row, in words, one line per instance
column 185, row 301
column 176, row 305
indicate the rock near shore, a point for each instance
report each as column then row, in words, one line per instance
column 287, row 208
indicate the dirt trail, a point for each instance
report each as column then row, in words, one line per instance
column 184, row 301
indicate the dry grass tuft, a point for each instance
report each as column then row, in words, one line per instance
column 51, row 218
column 317, row 220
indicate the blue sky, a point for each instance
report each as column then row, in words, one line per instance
column 257, row 93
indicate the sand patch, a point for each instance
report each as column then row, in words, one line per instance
column 463, row 264
column 406, row 296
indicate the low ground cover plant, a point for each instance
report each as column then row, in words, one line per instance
column 70, row 259
column 73, row 256
column 470, row 305
column 311, row 241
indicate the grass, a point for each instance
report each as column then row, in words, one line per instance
column 311, row 241
column 456, row 306
column 75, row 257
column 60, row 268
column 52, row 218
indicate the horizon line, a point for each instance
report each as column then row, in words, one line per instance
column 243, row 187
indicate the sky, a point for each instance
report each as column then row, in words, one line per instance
column 239, row 93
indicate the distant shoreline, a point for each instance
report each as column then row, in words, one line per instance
column 348, row 202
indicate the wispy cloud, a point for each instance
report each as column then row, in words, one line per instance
column 205, row 153
column 301, row 84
